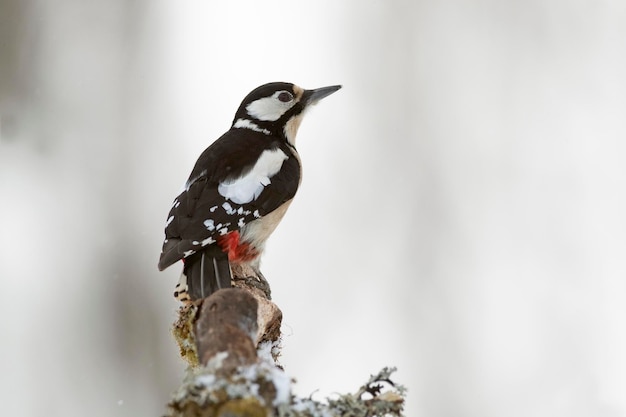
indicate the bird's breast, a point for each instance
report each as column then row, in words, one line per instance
column 256, row 232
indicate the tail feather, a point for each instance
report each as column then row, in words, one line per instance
column 207, row 272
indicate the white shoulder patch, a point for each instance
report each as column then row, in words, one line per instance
column 248, row 187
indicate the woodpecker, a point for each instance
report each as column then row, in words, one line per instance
column 238, row 190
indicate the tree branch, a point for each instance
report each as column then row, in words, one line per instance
column 231, row 341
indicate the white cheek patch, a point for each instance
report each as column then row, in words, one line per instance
column 268, row 108
column 248, row 187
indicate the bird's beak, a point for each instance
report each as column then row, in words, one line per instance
column 313, row 96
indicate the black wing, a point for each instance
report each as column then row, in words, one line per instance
column 200, row 214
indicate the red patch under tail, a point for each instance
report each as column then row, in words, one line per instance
column 237, row 251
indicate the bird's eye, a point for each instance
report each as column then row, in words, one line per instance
column 285, row 97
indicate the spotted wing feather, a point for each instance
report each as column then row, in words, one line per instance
column 200, row 214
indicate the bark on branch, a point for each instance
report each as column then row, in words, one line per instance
column 231, row 341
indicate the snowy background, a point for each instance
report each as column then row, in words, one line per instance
column 462, row 214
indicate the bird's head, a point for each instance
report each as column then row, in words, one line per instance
column 277, row 108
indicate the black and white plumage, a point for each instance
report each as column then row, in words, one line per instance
column 239, row 189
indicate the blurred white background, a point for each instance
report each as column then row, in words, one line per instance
column 462, row 214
